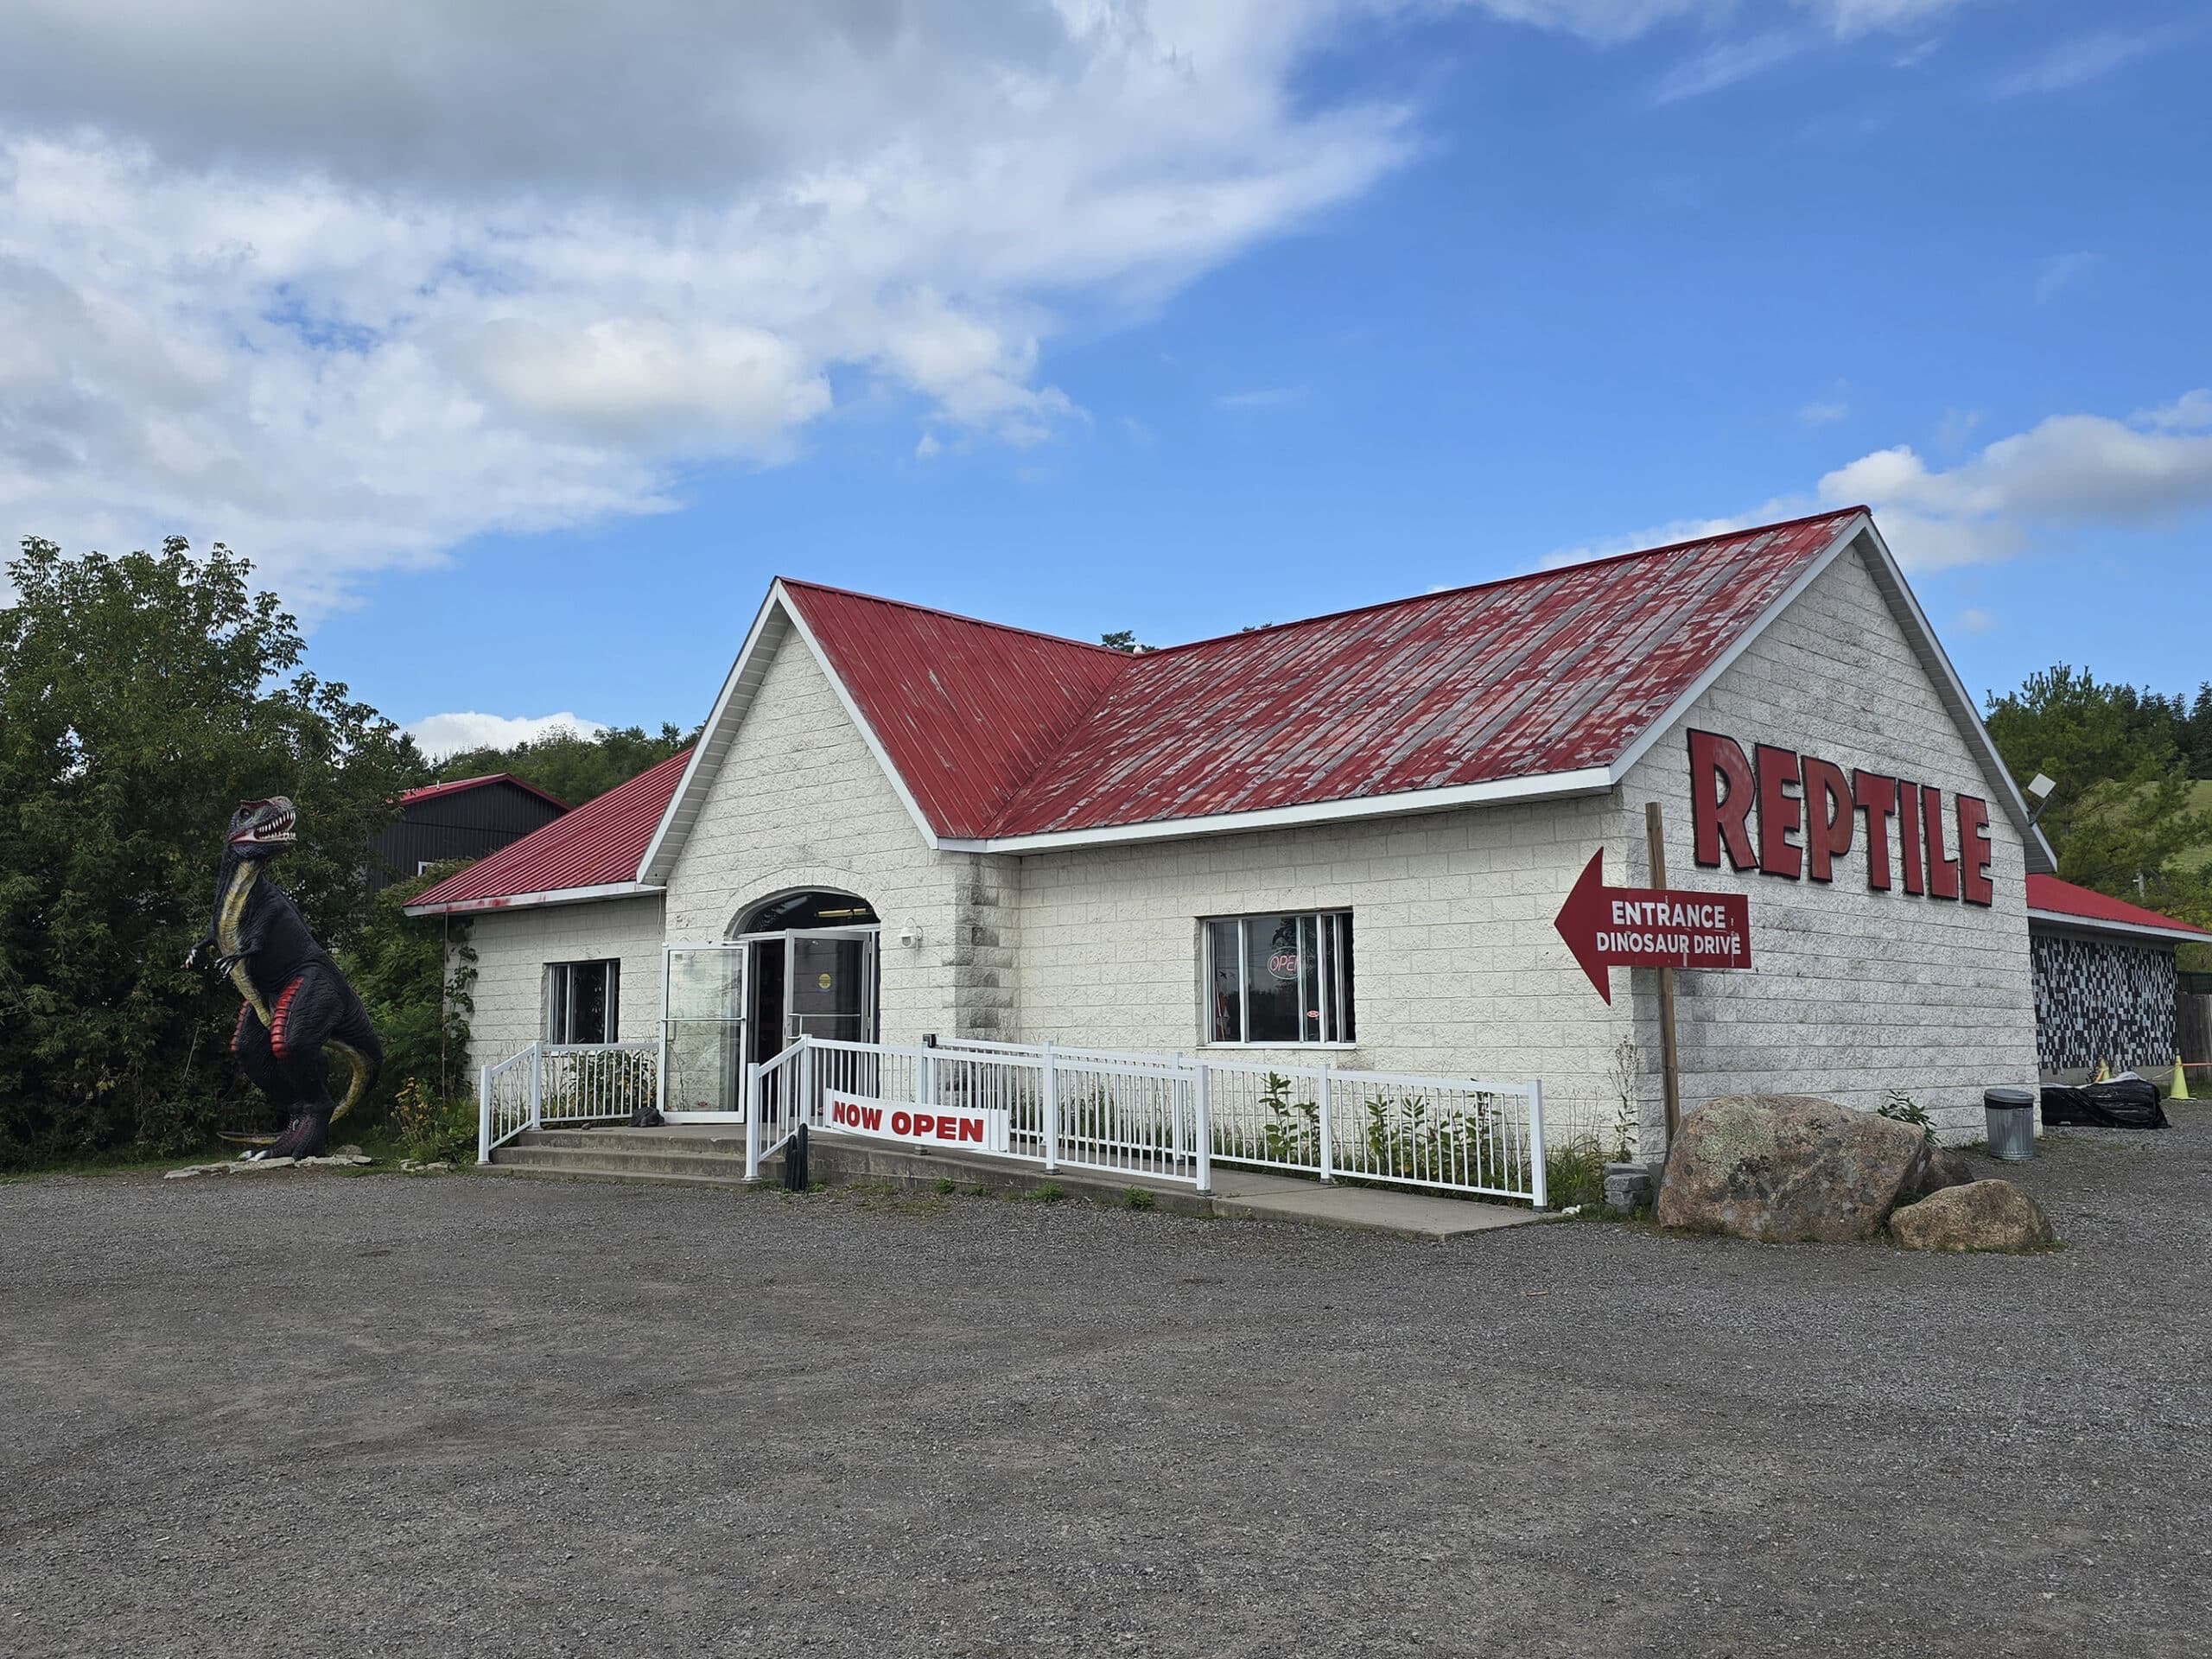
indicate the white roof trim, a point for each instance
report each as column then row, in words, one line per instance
column 1889, row 577
column 777, row 615
column 860, row 722
column 1590, row 780
column 534, row 900
column 2098, row 925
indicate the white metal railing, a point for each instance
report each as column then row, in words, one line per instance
column 561, row 1083
column 1166, row 1116
column 1170, row 1116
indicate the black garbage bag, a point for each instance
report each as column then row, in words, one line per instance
column 2122, row 1104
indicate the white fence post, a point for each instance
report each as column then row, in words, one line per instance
column 752, row 1119
column 924, row 1075
column 536, row 1083
column 806, row 1078
column 1052, row 1105
column 1177, row 1152
column 1206, row 1129
column 1328, row 1149
column 484, row 1116
column 1538, row 1191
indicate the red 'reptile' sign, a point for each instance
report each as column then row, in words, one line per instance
column 1641, row 927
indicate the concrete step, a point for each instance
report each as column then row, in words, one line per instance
column 721, row 1138
column 621, row 1160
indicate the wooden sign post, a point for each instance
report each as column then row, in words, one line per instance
column 1655, row 842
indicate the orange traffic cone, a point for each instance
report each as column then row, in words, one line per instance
column 2180, row 1082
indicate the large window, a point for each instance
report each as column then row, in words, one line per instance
column 1280, row 979
column 583, row 1002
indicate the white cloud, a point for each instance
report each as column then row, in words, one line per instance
column 346, row 305
column 1262, row 398
column 345, row 285
column 1825, row 411
column 1726, row 62
column 2067, row 473
column 2076, row 62
column 1974, row 620
column 2060, row 273
column 439, row 735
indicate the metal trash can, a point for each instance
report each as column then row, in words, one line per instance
column 2011, row 1113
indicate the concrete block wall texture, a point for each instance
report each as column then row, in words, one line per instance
column 1458, row 969
column 513, row 947
column 1854, row 991
column 801, row 801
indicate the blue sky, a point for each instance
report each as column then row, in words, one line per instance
column 1357, row 301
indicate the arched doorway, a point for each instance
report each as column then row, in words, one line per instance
column 796, row 963
column 809, row 970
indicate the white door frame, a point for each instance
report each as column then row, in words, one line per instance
column 866, row 935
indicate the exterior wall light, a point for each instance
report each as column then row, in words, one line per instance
column 910, row 936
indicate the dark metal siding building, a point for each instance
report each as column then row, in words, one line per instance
column 467, row 818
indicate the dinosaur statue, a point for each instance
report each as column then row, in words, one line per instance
column 296, row 1002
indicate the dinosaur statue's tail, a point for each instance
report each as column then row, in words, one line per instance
column 356, row 1039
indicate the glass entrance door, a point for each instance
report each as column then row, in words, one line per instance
column 829, row 985
column 702, row 1031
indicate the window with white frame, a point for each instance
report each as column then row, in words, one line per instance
column 1280, row 979
column 583, row 1002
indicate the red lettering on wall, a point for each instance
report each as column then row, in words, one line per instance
column 1878, row 797
column 1908, row 847
column 1779, row 813
column 971, row 1129
column 1721, row 792
column 1942, row 868
column 1828, row 820
column 1975, row 886
column 902, row 1123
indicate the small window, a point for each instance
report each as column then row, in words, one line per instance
column 583, row 1002
column 1280, row 979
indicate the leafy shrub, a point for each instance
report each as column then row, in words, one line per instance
column 429, row 1129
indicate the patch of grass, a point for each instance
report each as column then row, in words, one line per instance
column 946, row 1184
column 1136, row 1198
column 1574, row 1172
column 1050, row 1192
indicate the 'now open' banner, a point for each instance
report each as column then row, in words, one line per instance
column 975, row 1127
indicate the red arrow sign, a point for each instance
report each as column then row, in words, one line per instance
column 1640, row 927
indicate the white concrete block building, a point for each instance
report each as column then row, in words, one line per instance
column 1350, row 836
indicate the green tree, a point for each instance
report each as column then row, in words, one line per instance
column 142, row 697
column 416, row 976
column 569, row 764
column 2121, row 812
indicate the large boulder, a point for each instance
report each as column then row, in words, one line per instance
column 1979, row 1215
column 1789, row 1169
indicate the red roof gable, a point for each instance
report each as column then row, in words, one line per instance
column 455, row 786
column 2056, row 898
column 967, row 709
column 998, row 732
column 598, row 844
column 1546, row 673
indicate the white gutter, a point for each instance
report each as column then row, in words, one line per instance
column 535, row 900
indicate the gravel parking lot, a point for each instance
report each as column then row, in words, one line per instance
column 308, row 1413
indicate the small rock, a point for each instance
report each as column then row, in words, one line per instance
column 349, row 1150
column 1628, row 1187
column 266, row 1163
column 441, row 1164
column 1979, row 1215
column 179, row 1174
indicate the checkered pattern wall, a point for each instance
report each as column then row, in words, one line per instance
column 2100, row 1002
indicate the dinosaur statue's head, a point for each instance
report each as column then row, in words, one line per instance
column 263, row 828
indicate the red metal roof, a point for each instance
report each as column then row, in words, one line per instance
column 2048, row 892
column 595, row 845
column 967, row 709
column 1001, row 732
column 454, row 786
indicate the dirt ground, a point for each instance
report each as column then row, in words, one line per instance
column 308, row 1413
